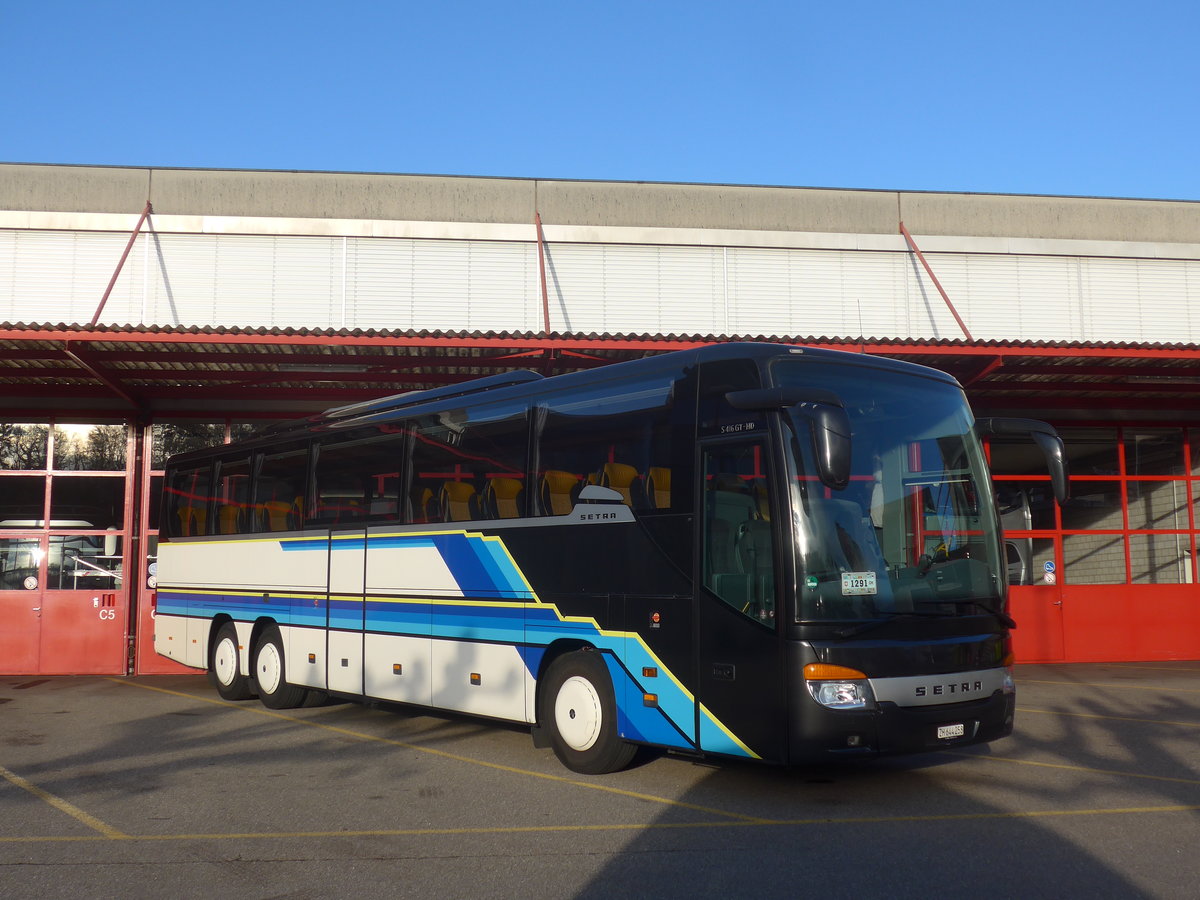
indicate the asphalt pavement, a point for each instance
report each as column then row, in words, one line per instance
column 154, row 787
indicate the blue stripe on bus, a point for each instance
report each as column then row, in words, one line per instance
column 482, row 568
column 474, row 569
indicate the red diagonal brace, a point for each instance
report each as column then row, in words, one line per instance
column 548, row 363
column 78, row 355
column 129, row 246
column 937, row 284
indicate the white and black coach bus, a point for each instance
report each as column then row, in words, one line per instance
column 745, row 550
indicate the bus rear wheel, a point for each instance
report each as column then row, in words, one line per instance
column 269, row 673
column 225, row 666
column 579, row 712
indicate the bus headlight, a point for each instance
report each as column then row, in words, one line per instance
column 838, row 687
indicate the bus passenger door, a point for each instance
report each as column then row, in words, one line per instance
column 347, row 568
column 740, row 686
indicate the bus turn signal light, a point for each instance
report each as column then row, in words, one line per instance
column 826, row 672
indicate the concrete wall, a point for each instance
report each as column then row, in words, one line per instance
column 321, row 195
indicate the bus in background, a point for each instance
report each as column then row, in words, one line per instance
column 743, row 550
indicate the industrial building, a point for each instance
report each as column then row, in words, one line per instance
column 146, row 311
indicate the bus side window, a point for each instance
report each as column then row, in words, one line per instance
column 186, row 498
column 469, row 464
column 357, row 477
column 232, row 496
column 614, row 435
column 280, row 488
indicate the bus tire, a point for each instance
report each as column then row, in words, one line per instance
column 225, row 666
column 270, row 671
column 579, row 713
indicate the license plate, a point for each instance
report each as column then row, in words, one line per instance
column 946, row 732
column 858, row 583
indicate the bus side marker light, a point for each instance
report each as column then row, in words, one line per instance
column 397, row 669
column 650, row 700
column 312, row 657
column 649, row 672
column 345, row 663
column 476, row 678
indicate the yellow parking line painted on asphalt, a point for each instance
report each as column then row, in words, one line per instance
column 636, row 826
column 1074, row 768
column 1125, row 687
column 445, row 755
column 1075, row 715
column 62, row 805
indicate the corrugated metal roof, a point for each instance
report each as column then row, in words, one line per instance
column 264, row 367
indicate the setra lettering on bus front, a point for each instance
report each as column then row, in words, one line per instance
column 593, row 517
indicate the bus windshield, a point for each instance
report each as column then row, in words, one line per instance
column 915, row 531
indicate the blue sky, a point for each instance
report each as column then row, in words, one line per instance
column 1045, row 97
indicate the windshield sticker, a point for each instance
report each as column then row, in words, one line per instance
column 858, row 583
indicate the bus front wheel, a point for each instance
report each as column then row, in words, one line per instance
column 269, row 671
column 225, row 666
column 579, row 712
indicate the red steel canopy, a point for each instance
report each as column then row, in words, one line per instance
column 118, row 370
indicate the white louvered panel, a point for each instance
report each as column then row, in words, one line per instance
column 8, row 275
column 1048, row 292
column 1166, row 298
column 816, row 296
column 873, row 293
column 42, row 268
column 631, row 287
column 440, row 285
column 48, row 282
column 94, row 258
column 759, row 292
column 929, row 317
column 691, row 288
column 307, row 282
column 379, row 283
column 504, row 292
column 1110, row 301
column 245, row 274
column 987, row 298
column 126, row 304
column 575, row 283
column 182, row 289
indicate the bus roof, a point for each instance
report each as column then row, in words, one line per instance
column 524, row 382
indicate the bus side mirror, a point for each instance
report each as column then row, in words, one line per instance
column 1046, row 438
column 830, row 425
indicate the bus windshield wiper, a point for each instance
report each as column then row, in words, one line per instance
column 986, row 607
column 885, row 618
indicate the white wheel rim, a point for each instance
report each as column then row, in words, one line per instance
column 225, row 663
column 577, row 713
column 270, row 668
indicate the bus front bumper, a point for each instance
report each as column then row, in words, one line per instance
column 821, row 735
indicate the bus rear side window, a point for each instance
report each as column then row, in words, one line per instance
column 280, row 489
column 187, row 499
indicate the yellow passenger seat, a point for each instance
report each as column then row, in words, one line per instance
column 459, row 502
column 502, row 498
column 558, row 491
column 621, row 478
column 658, row 487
